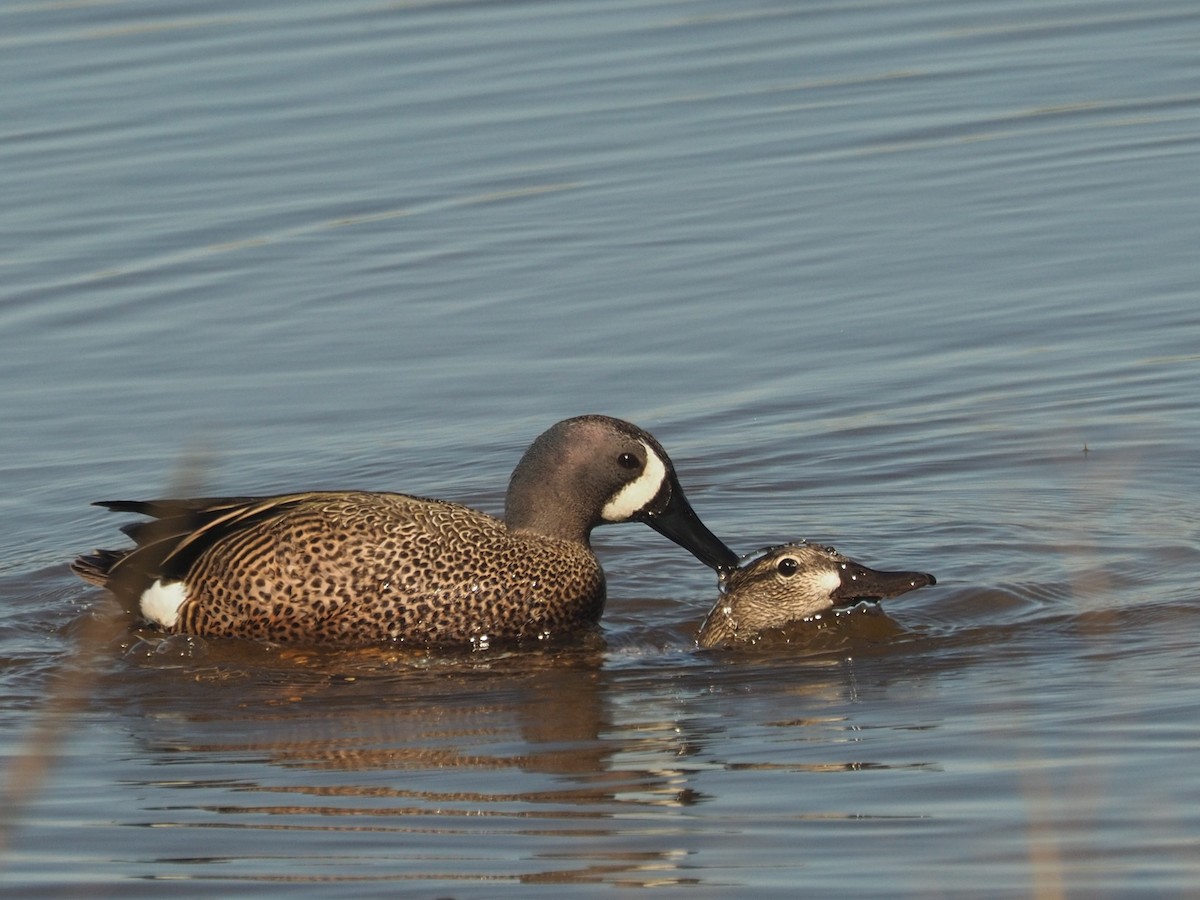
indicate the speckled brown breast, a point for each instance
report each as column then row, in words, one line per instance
column 358, row 568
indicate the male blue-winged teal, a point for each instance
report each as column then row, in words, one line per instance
column 794, row 582
column 355, row 568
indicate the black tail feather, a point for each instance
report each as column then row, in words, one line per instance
column 95, row 567
column 166, row 546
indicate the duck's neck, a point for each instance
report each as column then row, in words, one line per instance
column 720, row 627
column 546, row 508
column 544, row 499
column 534, row 521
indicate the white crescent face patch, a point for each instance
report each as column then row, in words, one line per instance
column 635, row 495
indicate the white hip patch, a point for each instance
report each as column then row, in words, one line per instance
column 635, row 495
column 161, row 601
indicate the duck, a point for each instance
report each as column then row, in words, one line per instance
column 791, row 583
column 355, row 568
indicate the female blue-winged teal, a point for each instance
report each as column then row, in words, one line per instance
column 351, row 567
column 794, row 582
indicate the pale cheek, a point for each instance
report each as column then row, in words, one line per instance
column 830, row 582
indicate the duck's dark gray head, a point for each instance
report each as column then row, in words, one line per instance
column 593, row 470
column 795, row 582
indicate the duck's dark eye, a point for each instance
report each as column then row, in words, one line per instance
column 787, row 567
column 629, row 461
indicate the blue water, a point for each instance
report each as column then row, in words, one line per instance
column 917, row 280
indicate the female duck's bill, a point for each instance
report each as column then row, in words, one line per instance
column 355, row 568
column 793, row 583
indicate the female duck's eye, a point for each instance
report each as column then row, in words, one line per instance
column 628, row 461
column 787, row 567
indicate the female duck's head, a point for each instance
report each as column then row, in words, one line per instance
column 793, row 583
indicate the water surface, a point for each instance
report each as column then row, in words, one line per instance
column 917, row 280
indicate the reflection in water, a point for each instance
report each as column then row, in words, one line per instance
column 428, row 749
column 570, row 765
column 483, row 751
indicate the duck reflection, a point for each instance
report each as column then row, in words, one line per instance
column 484, row 751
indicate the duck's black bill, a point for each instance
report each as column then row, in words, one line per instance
column 672, row 516
column 861, row 583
